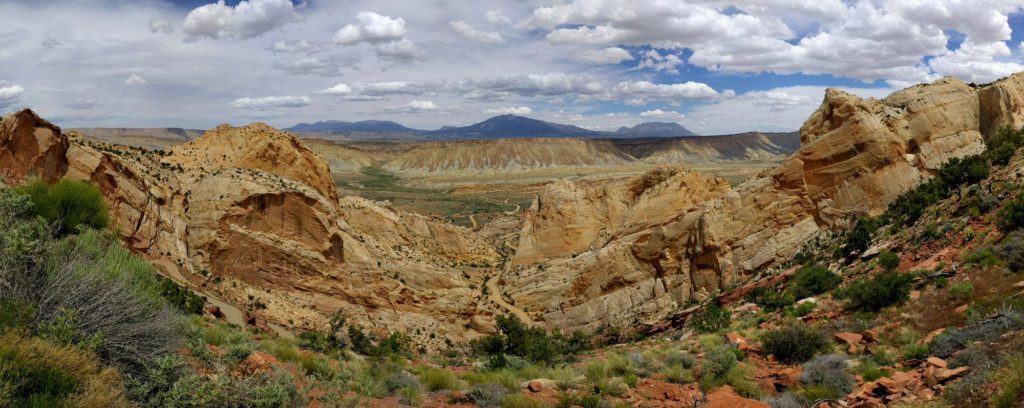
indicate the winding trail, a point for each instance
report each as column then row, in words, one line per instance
column 472, row 218
column 494, row 294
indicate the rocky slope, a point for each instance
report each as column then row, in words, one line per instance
column 856, row 156
column 250, row 215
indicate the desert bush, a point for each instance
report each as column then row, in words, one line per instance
column 858, row 238
column 437, row 379
column 710, row 318
column 771, row 298
column 489, row 395
column 410, row 396
column 1009, row 380
column 953, row 340
column 795, row 342
column 38, row 373
column 829, row 372
column 67, row 205
column 812, row 280
column 276, row 389
column 1003, row 144
column 1011, row 216
column 676, row 357
column 961, row 290
column 888, row 260
column 785, row 400
column 986, row 257
column 514, row 338
column 521, row 401
column 1011, row 251
column 874, row 294
column 870, row 370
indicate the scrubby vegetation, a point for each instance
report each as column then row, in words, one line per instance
column 795, row 342
column 877, row 292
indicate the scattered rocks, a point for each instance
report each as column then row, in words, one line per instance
column 853, row 341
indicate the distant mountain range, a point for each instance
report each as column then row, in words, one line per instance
column 498, row 127
column 338, row 126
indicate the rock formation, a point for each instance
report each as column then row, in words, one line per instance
column 30, row 146
column 251, row 216
column 856, row 156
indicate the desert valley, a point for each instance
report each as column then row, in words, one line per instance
column 631, row 242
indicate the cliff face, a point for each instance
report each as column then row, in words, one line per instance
column 251, row 216
column 856, row 156
column 31, row 146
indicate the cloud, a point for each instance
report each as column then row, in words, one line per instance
column 371, row 28
column 135, row 79
column 371, row 91
column 552, row 84
column 778, row 101
column 10, row 94
column 321, row 66
column 610, row 55
column 51, row 43
column 421, row 106
column 643, row 92
column 272, row 102
column 287, row 46
column 511, row 110
column 161, row 25
column 468, row 31
column 402, row 50
column 658, row 113
column 497, row 17
column 652, row 59
column 888, row 40
column 81, row 104
column 248, row 19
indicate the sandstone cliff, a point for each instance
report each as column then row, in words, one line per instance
column 249, row 215
column 856, row 156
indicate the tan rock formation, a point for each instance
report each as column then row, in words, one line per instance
column 249, row 215
column 856, row 156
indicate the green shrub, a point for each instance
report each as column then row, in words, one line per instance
column 1011, row 217
column 711, row 318
column 888, row 260
column 521, row 401
column 984, row 257
column 876, row 293
column 858, row 239
column 437, row 379
column 915, row 351
column 489, row 395
column 67, row 205
column 1011, row 251
column 795, row 343
column 514, row 338
column 812, row 280
column 771, row 298
column 961, row 290
column 1003, row 144
column 38, row 373
column 1009, row 383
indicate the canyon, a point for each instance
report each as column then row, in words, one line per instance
column 255, row 215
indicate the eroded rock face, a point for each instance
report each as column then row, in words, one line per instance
column 250, row 216
column 31, row 146
column 856, row 156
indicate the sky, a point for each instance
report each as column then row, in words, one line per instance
column 714, row 66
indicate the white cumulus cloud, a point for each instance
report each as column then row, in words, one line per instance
column 472, row 33
column 10, row 94
column 658, row 113
column 135, row 79
column 161, row 25
column 610, row 55
column 272, row 102
column 511, row 110
column 421, row 106
column 371, row 28
column 247, row 19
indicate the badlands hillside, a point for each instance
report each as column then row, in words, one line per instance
column 251, row 218
column 586, row 256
